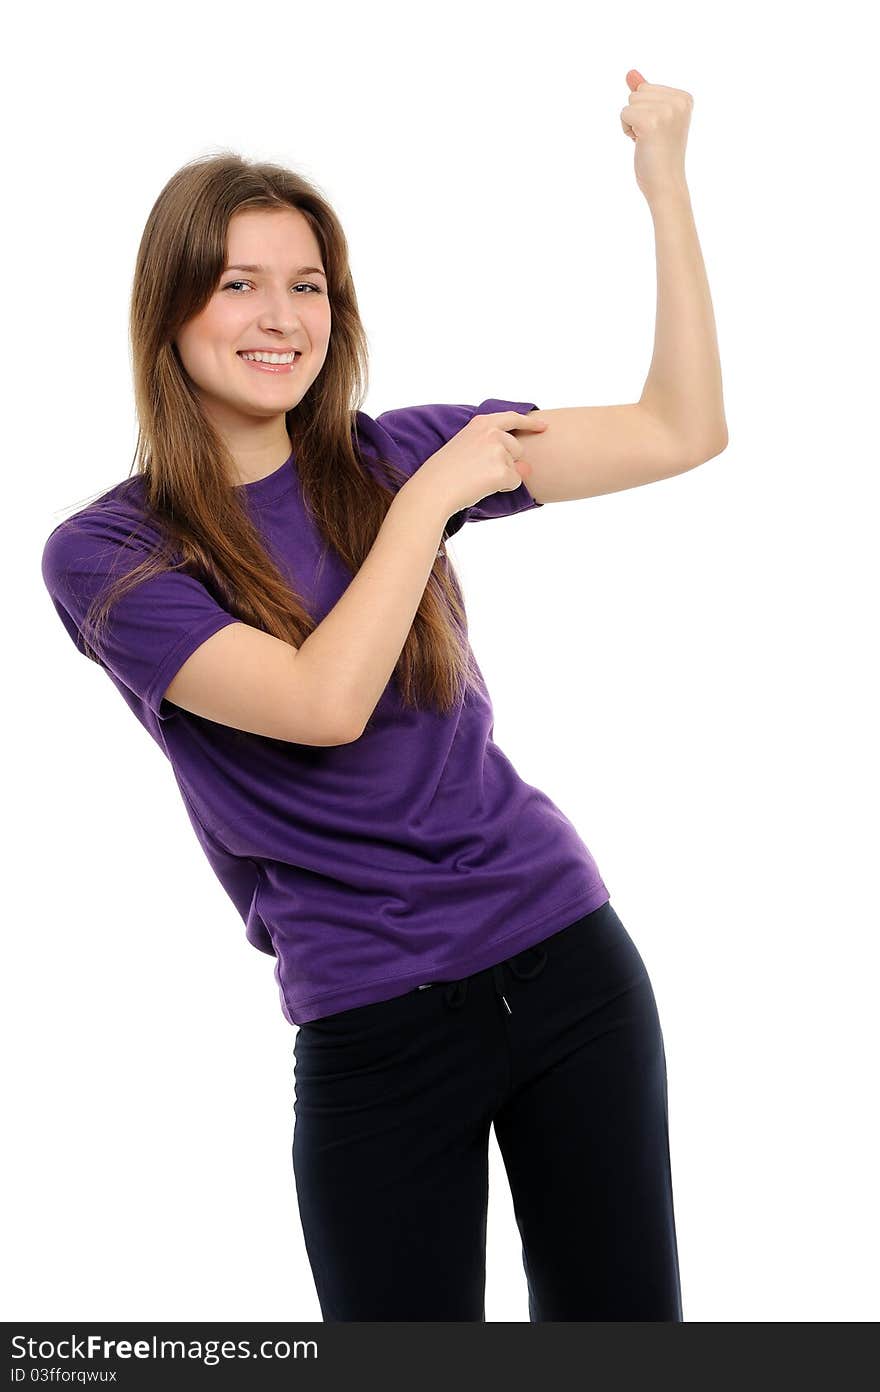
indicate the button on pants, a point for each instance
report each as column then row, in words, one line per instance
column 560, row 1049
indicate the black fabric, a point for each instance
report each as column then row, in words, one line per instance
column 560, row 1048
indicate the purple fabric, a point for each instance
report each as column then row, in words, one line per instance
column 413, row 854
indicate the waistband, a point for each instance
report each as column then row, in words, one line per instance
column 455, row 993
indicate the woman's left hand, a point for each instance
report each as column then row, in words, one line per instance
column 657, row 119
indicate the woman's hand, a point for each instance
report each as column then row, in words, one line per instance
column 482, row 458
column 657, row 119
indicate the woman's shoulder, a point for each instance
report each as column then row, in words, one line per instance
column 119, row 508
column 116, row 522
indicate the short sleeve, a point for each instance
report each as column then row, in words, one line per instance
column 152, row 629
column 419, row 431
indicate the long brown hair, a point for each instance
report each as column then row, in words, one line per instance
column 187, row 468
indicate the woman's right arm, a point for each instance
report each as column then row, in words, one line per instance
column 325, row 691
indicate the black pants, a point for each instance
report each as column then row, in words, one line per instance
column 560, row 1047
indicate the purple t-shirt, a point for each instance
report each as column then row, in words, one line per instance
column 415, row 853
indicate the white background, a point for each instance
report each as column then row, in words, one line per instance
column 685, row 668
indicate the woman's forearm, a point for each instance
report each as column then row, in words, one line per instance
column 683, row 385
column 353, row 651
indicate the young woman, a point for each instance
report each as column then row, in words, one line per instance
column 271, row 595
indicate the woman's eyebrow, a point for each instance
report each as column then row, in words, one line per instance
column 303, row 270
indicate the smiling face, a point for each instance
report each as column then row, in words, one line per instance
column 282, row 306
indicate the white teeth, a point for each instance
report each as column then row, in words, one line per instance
column 268, row 357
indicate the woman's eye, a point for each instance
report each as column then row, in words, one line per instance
column 304, row 285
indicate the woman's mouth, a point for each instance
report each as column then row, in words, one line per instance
column 271, row 366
